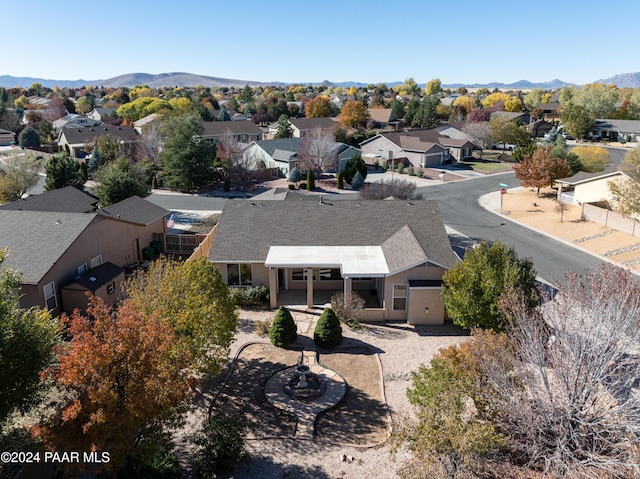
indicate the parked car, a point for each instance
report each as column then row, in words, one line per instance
column 503, row 146
column 567, row 136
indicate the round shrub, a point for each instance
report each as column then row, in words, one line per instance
column 328, row 332
column 283, row 328
column 222, row 445
column 358, row 182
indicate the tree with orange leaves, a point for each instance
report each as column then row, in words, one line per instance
column 353, row 113
column 126, row 384
column 540, row 169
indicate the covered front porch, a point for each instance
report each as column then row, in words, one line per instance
column 297, row 298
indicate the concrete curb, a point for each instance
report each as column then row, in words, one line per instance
column 491, row 203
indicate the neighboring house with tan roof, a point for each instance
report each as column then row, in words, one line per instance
column 586, row 187
column 383, row 117
column 303, row 126
column 522, row 118
column 393, row 253
column 76, row 138
column 144, row 123
column 241, row 131
column 421, row 148
column 59, row 239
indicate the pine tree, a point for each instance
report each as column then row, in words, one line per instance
column 311, row 182
column 328, row 332
column 283, row 329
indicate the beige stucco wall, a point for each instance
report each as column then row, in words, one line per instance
column 419, row 272
column 596, row 190
column 113, row 240
column 425, row 306
column 75, row 296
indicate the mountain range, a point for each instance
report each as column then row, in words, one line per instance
column 181, row 79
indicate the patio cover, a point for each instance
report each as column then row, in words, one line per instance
column 353, row 261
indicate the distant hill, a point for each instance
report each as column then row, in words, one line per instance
column 623, row 80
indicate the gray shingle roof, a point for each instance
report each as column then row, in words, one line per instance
column 82, row 135
column 247, row 229
column 583, row 176
column 312, row 123
column 67, row 199
column 98, row 276
column 135, row 210
column 37, row 239
column 622, row 126
column 283, row 144
column 221, row 128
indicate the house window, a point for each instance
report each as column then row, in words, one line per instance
column 97, row 261
column 50, row 296
column 399, row 297
column 332, row 274
column 82, row 269
column 298, row 275
column 239, row 274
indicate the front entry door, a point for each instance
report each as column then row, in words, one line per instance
column 281, row 280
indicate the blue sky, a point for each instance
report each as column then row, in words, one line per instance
column 458, row 41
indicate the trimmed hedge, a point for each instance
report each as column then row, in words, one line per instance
column 283, row 328
column 328, row 332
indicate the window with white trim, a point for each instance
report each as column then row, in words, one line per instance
column 332, row 274
column 97, row 261
column 399, row 297
column 239, row 274
column 82, row 269
column 50, row 295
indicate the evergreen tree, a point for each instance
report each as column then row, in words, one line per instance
column 62, row 170
column 311, row 182
column 283, row 329
column 328, row 332
column 295, row 175
column 29, row 138
column 358, row 182
column 340, row 178
column 284, row 128
column 354, row 165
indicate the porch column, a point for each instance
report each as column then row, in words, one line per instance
column 309, row 273
column 347, row 289
column 273, row 287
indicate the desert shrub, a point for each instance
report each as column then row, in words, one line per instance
column 400, row 168
column 411, row 171
column 328, row 332
column 250, row 297
column 420, row 172
column 350, row 312
column 222, row 446
column 263, row 327
column 397, row 187
column 283, row 329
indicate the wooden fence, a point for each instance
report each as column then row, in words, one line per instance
column 202, row 251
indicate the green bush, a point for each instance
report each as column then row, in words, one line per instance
column 295, row 175
column 227, row 185
column 283, row 328
column 358, row 182
column 400, row 168
column 292, row 186
column 222, row 446
column 420, row 172
column 311, row 181
column 250, row 296
column 328, row 332
column 410, row 171
column 340, row 178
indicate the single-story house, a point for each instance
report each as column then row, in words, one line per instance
column 7, row 137
column 522, row 118
column 73, row 120
column 57, row 245
column 421, row 148
column 303, row 126
column 280, row 153
column 99, row 114
column 393, row 253
column 617, row 130
column 383, row 118
column 539, row 128
column 586, row 187
column 76, row 138
column 241, row 131
column 145, row 123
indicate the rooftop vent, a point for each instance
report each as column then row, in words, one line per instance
column 92, row 278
